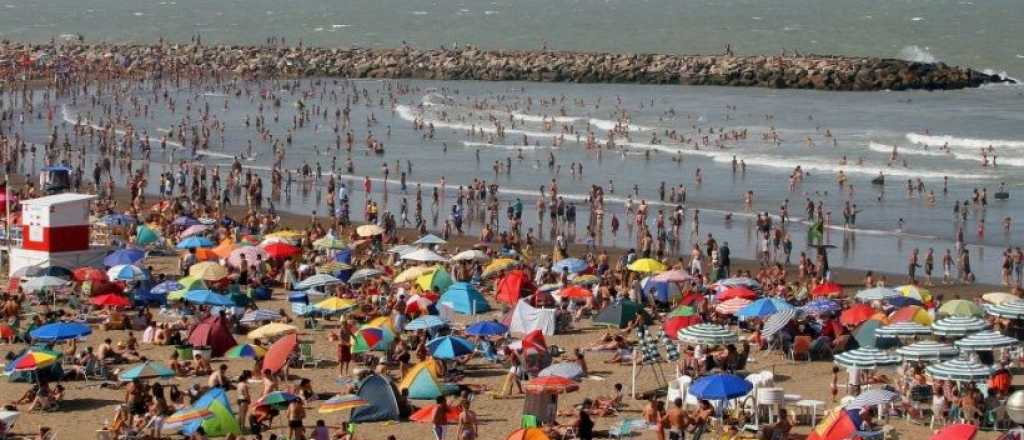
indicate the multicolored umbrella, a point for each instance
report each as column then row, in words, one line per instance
column 246, row 351
column 911, row 314
column 34, row 359
column 418, row 304
column 146, row 370
column 370, row 335
column 278, row 399
column 732, row 306
column 916, row 292
column 341, row 402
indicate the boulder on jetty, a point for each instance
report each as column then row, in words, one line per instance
column 820, row 72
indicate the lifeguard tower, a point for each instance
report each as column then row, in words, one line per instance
column 55, row 232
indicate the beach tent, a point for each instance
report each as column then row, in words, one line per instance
column 662, row 291
column 223, row 421
column 465, row 299
column 422, row 381
column 382, row 397
column 214, row 332
column 526, row 318
column 620, row 314
column 513, row 286
column 437, row 280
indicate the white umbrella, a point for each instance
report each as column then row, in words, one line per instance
column 876, row 294
column 873, row 397
column 865, row 357
column 429, row 239
column 961, row 370
column 927, row 351
column 708, row 334
column 363, row 275
column 318, row 280
column 471, row 255
column 958, row 326
column 1010, row 309
column 903, row 328
column 401, row 249
column 44, row 282
column 423, row 255
column 986, row 340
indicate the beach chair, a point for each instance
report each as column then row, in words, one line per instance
column 801, row 348
column 96, row 370
column 306, row 356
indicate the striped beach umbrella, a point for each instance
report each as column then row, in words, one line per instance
column 342, row 402
column 904, row 328
column 707, row 334
column 1010, row 309
column 183, row 417
column 261, row 315
column 820, row 306
column 425, row 322
column 957, row 326
column 876, row 294
column 747, row 282
column 330, row 242
column 732, row 306
column 777, row 322
column 927, row 351
column 960, row 370
column 873, row 397
column 318, row 280
column 985, row 340
column 865, row 357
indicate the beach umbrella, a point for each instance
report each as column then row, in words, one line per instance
column 585, row 279
column 720, row 387
column 83, row 274
column 342, row 402
column 911, row 314
column 960, row 307
column 60, row 331
column 126, row 272
column 363, row 274
column 429, row 412
column 146, row 370
column 208, row 297
column 876, row 294
column 449, row 347
column 827, row 289
column 370, row 336
column 872, row 397
column 736, row 292
column 528, row 434
column 956, row 431
column 865, row 357
column 763, row 307
column 1010, row 309
column 185, row 416
column 278, row 353
column 335, row 304
column 856, row 314
column 110, row 300
column 732, row 306
column 429, row 240
column 208, row 271
column 411, row 274
column 866, row 333
column 57, row 271
column 184, row 221
column 224, row 249
column 402, row 249
column 245, row 351
column 332, row 267
column 252, row 254
column 903, row 328
column 568, row 370
column 961, row 369
column 45, row 282
column 330, row 242
column 165, row 287
column 777, row 322
column 425, row 322
column 419, row 304
column 271, row 330
column 498, row 265
column 486, row 328
column 437, row 280
column 821, row 306
column 673, row 325
column 549, row 287
column 194, row 242
column 281, row 250
column 958, row 326
column 369, row 230
column 33, row 360
column 193, row 230
column 998, row 298
column 471, row 255
column 279, row 399
column 682, row 311
column 647, row 265
column 927, row 351
column 916, row 292
column 673, row 276
column 552, row 384
column 318, row 280
column 124, row 256
column 261, row 315
column 707, row 334
column 575, row 292
column 747, row 282
column 903, row 301
column 188, row 283
column 423, row 256
column 985, row 341
column 145, row 235
column 569, row 265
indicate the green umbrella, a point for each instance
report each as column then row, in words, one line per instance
column 145, row 235
column 683, row 311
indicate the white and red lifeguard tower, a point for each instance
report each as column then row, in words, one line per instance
column 55, row 232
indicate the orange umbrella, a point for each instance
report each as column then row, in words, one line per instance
column 206, row 254
column 856, row 314
column 528, row 434
column 223, row 250
column 827, row 289
column 575, row 292
column 426, row 414
column 277, row 354
column 551, row 384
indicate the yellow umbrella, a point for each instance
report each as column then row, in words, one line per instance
column 916, row 292
column 961, row 307
column 999, row 297
column 647, row 265
column 271, row 330
column 335, row 304
column 208, row 271
column 369, row 230
column 287, row 234
column 412, row 273
column 498, row 265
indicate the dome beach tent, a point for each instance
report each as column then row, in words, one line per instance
column 382, row 397
column 620, row 314
column 223, row 421
column 422, row 382
column 213, row 333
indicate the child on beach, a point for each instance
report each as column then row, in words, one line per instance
column 835, row 383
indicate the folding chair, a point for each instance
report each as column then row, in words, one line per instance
column 306, row 356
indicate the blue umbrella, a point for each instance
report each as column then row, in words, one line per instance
column 60, row 331
column 486, row 328
column 124, row 256
column 146, row 370
column 194, row 242
column 166, row 287
column 208, row 297
column 574, row 265
column 763, row 307
column 903, row 301
column 821, row 305
column 720, row 387
column 449, row 347
column 425, row 322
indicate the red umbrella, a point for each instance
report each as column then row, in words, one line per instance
column 426, row 414
column 736, row 292
column 691, row 299
column 956, row 431
column 827, row 289
column 277, row 354
column 6, row 331
column 280, row 250
column 674, row 324
column 856, row 314
column 103, row 288
column 534, row 341
column 417, row 304
column 551, row 384
column 93, row 274
column 575, row 292
column 110, row 300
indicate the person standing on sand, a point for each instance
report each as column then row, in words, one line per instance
column 296, row 415
column 676, row 420
column 467, row 429
column 440, row 418
column 344, row 349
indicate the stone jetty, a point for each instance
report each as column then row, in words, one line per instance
column 818, row 72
